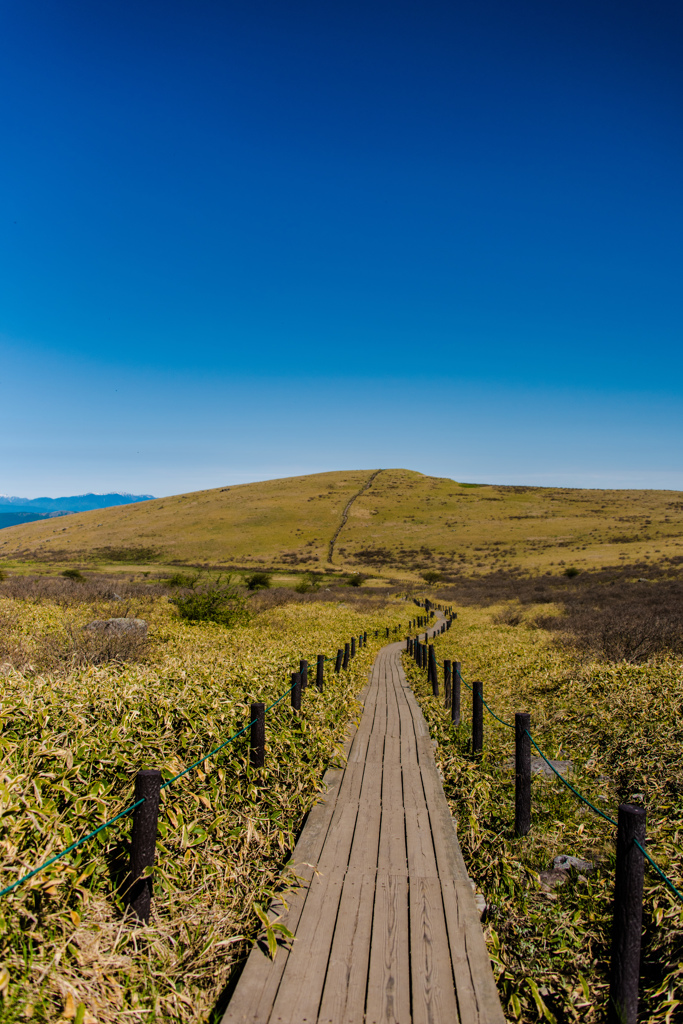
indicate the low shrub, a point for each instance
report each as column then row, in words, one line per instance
column 258, row 581
column 217, row 601
column 73, row 574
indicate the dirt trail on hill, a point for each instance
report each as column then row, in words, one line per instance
column 345, row 513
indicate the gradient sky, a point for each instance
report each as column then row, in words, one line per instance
column 241, row 241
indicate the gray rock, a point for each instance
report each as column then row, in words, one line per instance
column 565, row 863
column 138, row 627
column 539, row 767
column 553, row 879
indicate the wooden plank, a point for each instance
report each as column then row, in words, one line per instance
column 300, row 990
column 419, row 844
column 433, row 993
column 253, row 997
column 478, row 999
column 343, row 1000
column 392, row 840
column 335, row 853
column 365, row 846
column 388, row 998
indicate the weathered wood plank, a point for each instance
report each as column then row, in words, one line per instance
column 253, row 998
column 300, row 990
column 343, row 999
column 392, row 858
column 434, row 1000
column 388, row 999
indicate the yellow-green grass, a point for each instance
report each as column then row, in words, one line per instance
column 403, row 524
column 72, row 740
column 619, row 725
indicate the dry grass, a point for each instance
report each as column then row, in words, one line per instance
column 619, row 725
column 404, row 524
column 74, row 735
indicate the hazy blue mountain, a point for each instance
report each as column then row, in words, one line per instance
column 16, row 517
column 74, row 503
column 14, row 511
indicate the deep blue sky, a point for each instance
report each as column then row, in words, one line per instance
column 248, row 240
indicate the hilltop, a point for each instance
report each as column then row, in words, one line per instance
column 392, row 522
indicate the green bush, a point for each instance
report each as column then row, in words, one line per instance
column 431, row 576
column 571, row 571
column 181, row 579
column 73, row 574
column 258, row 581
column 356, row 580
column 219, row 601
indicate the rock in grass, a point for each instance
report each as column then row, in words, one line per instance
column 565, row 863
column 130, row 627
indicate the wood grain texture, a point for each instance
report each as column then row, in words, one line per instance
column 387, row 931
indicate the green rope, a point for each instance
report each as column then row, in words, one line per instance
column 122, row 814
column 659, row 870
column 584, row 799
column 74, row 846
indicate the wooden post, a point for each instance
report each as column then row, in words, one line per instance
column 347, row 652
column 455, row 699
column 434, row 672
column 387, row 631
column 303, row 670
column 477, row 717
column 627, row 921
column 338, row 662
column 522, row 773
column 320, row 673
column 447, row 682
column 143, row 841
column 257, row 747
column 365, row 638
column 353, row 647
column 296, row 691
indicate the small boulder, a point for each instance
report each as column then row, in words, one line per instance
column 135, row 627
column 565, row 863
column 553, row 879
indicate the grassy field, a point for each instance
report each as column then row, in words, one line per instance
column 401, row 526
column 619, row 725
column 75, row 730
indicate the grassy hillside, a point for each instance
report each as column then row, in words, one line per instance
column 402, row 524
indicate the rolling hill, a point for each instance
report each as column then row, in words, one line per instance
column 392, row 522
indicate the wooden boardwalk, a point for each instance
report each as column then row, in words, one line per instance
column 386, row 925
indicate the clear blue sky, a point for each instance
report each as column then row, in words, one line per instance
column 245, row 240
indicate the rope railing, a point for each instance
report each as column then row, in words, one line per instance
column 212, row 753
column 577, row 794
column 630, row 829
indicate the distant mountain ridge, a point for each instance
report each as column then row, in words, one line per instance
column 15, row 511
column 74, row 503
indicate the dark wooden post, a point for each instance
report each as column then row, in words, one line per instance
column 143, row 841
column 522, row 773
column 477, row 717
column 257, row 747
column 320, row 672
column 447, row 682
column 353, row 647
column 627, row 921
column 434, row 672
column 338, row 662
column 347, row 652
column 455, row 698
column 387, row 631
column 303, row 670
column 296, row 691
column 365, row 638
